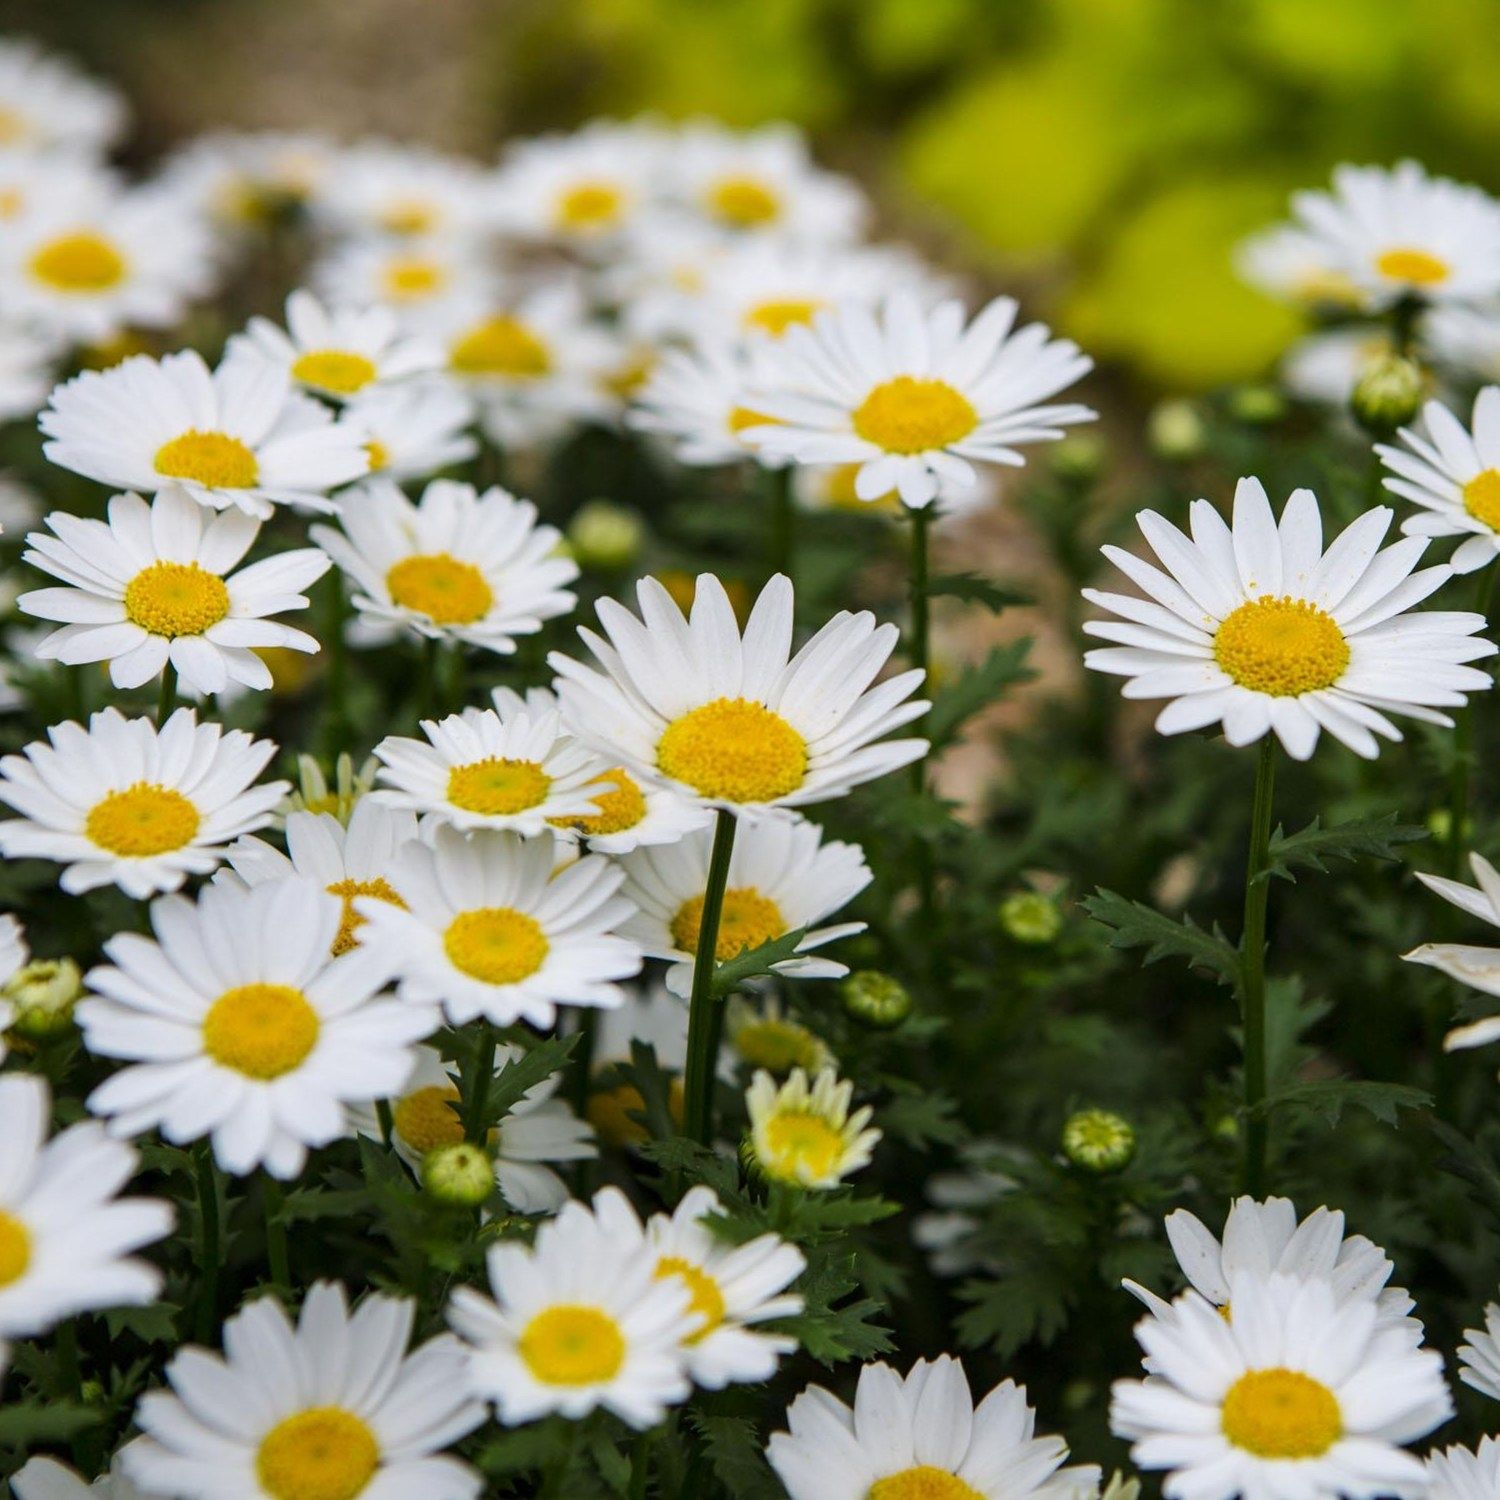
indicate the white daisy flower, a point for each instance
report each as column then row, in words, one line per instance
column 490, row 926
column 578, row 1321
column 1453, row 473
column 695, row 398
column 1326, row 367
column 337, row 352
column 427, row 283
column 406, row 192
column 124, row 803
column 922, row 1436
column 1465, row 339
column 761, row 1033
column 15, row 951
column 27, row 362
column 242, row 1025
column 235, row 436
column 46, row 101
column 246, row 180
column 1396, row 232
column 738, row 721
column 481, row 771
column 539, row 1129
column 1259, row 628
column 913, row 395
column 1479, row 1359
column 732, row 1287
column 833, row 488
column 1461, row 1474
column 335, row 1407
column 1299, row 1393
column 414, row 429
column 655, row 275
column 152, row 585
column 46, row 1479
column 1475, row 966
column 782, row 877
column 50, row 181
column 1300, row 266
column 804, row 1133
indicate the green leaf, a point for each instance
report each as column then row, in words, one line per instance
column 1327, row 1099
column 518, row 1077
column 30, row 1422
column 1029, row 1303
column 754, row 962
column 972, row 588
column 1133, row 924
column 736, row 1454
column 154, row 1324
column 1360, row 838
column 980, row 686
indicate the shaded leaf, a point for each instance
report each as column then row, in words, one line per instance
column 1360, row 838
column 1133, row 924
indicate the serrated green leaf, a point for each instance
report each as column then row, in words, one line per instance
column 735, row 1452
column 953, row 706
column 1133, row 924
column 525, row 1073
column 754, row 962
column 973, row 588
column 29, row 1422
column 1360, row 838
column 1329, row 1098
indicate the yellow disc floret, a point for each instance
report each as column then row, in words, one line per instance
column 172, row 599
column 1281, row 1414
column 922, row 1483
column 590, row 206
column 260, row 1030
column 442, row 587
column 213, row 459
column 800, row 1145
column 497, row 787
column 495, row 944
column 340, row 372
column 409, row 216
column 1419, row 267
column 1281, row 647
column 322, row 1453
column 15, row 1248
column 741, row 417
column 734, row 750
column 621, row 806
column 407, row 278
column 572, row 1345
column 350, row 921
column 428, row 1118
column 780, row 313
column 745, row 202
column 747, row 920
column 707, row 1299
column 142, row 820
column 1482, row 498
column 502, row 345
column 81, row 262
column 778, row 1046
column 912, row 414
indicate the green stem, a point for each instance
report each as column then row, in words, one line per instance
column 337, row 718
column 208, row 1244
column 479, row 1092
column 167, row 698
column 640, row 1465
column 274, row 1202
column 583, row 1061
column 697, row 1116
column 1253, row 970
column 1404, row 315
column 387, row 1121
column 782, row 529
column 919, row 653
column 1462, row 771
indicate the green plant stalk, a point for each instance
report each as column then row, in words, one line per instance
column 208, row 1244
column 274, row 1202
column 166, row 700
column 479, row 1093
column 782, row 551
column 640, row 1465
column 919, row 653
column 387, row 1120
column 697, row 1113
column 1253, row 971
column 583, row 1060
column 337, row 717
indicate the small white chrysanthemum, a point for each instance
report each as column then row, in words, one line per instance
column 337, row 352
column 695, row 399
column 152, row 585
column 46, row 1479
column 922, row 1438
column 14, row 953
column 121, row 802
column 488, row 925
column 235, row 436
column 1479, row 1359
column 1461, row 1474
column 1475, row 966
column 456, row 565
column 1260, row 629
column 66, row 1237
column 414, row 429
column 804, row 1134
column 241, row 1024
column 45, row 101
column 782, row 877
column 426, row 283
column 402, row 192
column 738, row 721
column 1299, row 1393
column 579, row 1321
column 761, row 1034
column 1300, row 266
column 914, row 395
column 331, row 1409
column 246, row 181
column 1453, row 473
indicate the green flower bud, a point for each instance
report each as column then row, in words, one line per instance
column 1176, row 431
column 605, row 536
column 1257, row 405
column 1388, row 395
column 877, row 1000
column 1098, row 1141
column 1079, row 456
column 460, row 1175
column 1030, row 917
column 44, row 993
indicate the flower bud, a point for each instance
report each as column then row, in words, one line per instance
column 1388, row 395
column 877, row 1000
column 44, row 993
column 605, row 536
column 460, row 1175
column 1079, row 457
column 1257, row 405
column 1030, row 917
column 1176, row 431
column 1098, row 1141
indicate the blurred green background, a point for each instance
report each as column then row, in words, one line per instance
column 1103, row 156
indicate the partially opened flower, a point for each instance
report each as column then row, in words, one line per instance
column 1257, row 627
column 804, row 1133
column 1478, row 967
column 1463, row 1474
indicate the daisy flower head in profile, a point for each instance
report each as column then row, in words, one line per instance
column 385, row 191
column 734, row 720
column 1297, row 1393
column 1299, row 266
column 1255, row 625
column 782, row 877
column 234, row 436
column 459, row 564
column 804, row 1133
column 337, row 1405
column 921, row 1437
column 237, row 1022
column 1470, row 964
column 1398, row 233
column 489, row 925
column 45, row 102
column 1464, row 1474
column 151, row 586
column 577, row 1321
column 1453, row 473
column 122, row 802
column 915, row 395
column 1479, row 1358
column 413, row 429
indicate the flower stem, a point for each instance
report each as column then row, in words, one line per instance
column 697, row 1118
column 336, row 719
column 781, row 554
column 387, row 1121
column 583, row 1060
column 640, row 1465
column 208, row 1244
column 1462, row 772
column 479, row 1092
column 274, row 1203
column 918, row 651
column 1253, row 970
column 167, row 698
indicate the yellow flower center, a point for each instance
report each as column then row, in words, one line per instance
column 378, row 454
column 351, row 921
column 621, row 807
column 800, row 1143
column 625, row 381
column 590, row 205
column 501, row 345
column 11, row 200
column 171, row 598
column 323, row 1453
column 748, row 920
column 337, row 371
column 573, row 1345
column 212, row 459
column 495, row 944
column 496, row 787
column 1482, row 498
column 409, row 216
column 779, row 1046
column 12, row 126
column 707, row 1299
column 779, row 314
column 440, row 586
column 408, row 277
column 1281, row 1414
column 1419, row 267
column 912, row 414
column 1281, row 646
column 142, row 820
column 260, row 1030
column 80, row 262
column 922, row 1483
column 15, row 1248
column 745, row 202
column 610, row 1111
column 735, row 750
column 742, row 417
column 427, row 1118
